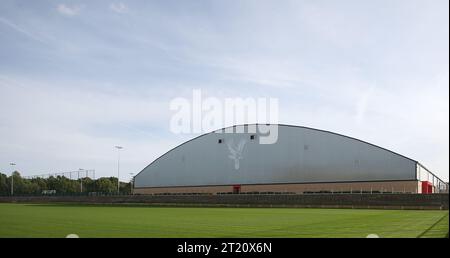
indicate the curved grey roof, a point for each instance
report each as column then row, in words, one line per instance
column 301, row 155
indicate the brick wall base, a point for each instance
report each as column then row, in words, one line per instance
column 367, row 187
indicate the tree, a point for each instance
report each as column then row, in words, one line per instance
column 125, row 188
column 4, row 185
column 19, row 184
column 88, row 185
column 62, row 185
column 106, row 185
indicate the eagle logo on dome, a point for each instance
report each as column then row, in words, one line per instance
column 236, row 151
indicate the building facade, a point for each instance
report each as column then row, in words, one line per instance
column 302, row 160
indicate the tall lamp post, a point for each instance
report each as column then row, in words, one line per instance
column 118, row 167
column 81, row 179
column 12, row 178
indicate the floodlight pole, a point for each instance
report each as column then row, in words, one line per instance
column 81, row 179
column 118, row 167
column 12, row 178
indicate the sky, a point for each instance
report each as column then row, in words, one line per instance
column 79, row 77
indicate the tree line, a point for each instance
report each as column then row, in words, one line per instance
column 60, row 185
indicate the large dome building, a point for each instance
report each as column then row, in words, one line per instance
column 303, row 160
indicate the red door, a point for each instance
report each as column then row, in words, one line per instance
column 236, row 189
column 427, row 187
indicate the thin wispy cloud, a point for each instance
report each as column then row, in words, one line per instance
column 362, row 104
column 68, row 10
column 20, row 30
column 118, row 7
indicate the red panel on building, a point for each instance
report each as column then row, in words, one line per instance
column 236, row 189
column 427, row 187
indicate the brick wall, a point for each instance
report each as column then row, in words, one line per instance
column 385, row 186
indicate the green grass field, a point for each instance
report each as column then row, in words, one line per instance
column 27, row 220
